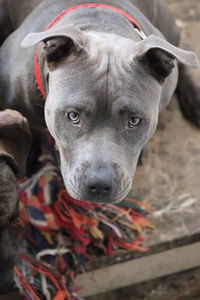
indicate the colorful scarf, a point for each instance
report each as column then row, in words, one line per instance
column 61, row 236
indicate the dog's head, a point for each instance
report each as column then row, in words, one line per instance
column 102, row 105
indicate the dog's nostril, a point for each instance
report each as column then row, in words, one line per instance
column 106, row 190
column 92, row 189
column 99, row 189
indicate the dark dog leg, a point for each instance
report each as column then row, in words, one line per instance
column 7, row 257
column 8, row 194
column 8, row 210
column 15, row 141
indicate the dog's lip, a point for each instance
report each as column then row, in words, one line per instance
column 99, row 200
column 114, row 199
column 102, row 202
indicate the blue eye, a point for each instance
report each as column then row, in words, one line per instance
column 74, row 117
column 134, row 122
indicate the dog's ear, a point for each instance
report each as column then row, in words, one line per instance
column 58, row 43
column 157, row 56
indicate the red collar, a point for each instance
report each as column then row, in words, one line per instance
column 60, row 16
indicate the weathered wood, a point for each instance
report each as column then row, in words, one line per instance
column 140, row 270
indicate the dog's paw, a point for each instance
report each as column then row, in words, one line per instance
column 188, row 91
column 8, row 194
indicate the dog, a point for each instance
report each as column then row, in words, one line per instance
column 106, row 79
column 96, row 74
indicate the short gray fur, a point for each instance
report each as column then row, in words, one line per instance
column 108, row 76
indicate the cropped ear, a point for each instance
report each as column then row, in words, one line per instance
column 58, row 43
column 157, row 55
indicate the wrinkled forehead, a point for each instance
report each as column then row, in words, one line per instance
column 108, row 72
column 118, row 48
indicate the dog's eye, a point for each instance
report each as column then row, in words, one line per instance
column 73, row 117
column 134, row 122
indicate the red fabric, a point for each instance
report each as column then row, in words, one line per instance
column 60, row 16
column 25, row 284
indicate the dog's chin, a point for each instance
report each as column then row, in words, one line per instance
column 114, row 198
column 98, row 200
column 103, row 201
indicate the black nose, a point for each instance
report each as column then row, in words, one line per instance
column 99, row 183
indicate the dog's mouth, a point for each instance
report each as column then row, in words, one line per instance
column 97, row 182
column 99, row 199
column 116, row 195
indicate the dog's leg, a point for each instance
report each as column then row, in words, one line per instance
column 15, row 140
column 7, row 257
column 8, row 193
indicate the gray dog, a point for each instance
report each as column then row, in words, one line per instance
column 105, row 72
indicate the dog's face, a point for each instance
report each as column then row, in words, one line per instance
column 102, row 107
column 98, row 112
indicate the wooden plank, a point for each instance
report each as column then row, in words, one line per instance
column 140, row 270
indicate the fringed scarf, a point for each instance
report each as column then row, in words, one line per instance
column 62, row 235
